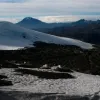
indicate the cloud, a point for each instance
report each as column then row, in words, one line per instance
column 68, row 18
column 9, row 19
column 50, row 19
column 42, row 8
column 11, row 1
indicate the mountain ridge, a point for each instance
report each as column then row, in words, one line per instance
column 33, row 23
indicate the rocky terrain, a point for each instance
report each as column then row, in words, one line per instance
column 50, row 72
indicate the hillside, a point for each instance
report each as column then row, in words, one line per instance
column 50, row 69
column 72, row 57
column 88, row 31
column 85, row 30
column 36, row 65
column 13, row 36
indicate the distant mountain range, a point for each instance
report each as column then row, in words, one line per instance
column 85, row 30
column 88, row 31
column 33, row 23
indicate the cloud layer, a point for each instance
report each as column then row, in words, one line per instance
column 40, row 8
column 12, row 1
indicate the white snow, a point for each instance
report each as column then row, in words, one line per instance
column 13, row 37
column 83, row 84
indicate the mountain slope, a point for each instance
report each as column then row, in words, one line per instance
column 88, row 31
column 14, row 36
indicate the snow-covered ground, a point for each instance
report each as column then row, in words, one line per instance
column 13, row 37
column 83, row 84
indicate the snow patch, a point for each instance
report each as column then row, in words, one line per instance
column 13, row 37
column 84, row 84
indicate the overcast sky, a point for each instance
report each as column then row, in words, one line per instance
column 49, row 10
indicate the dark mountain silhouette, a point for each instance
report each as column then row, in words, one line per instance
column 33, row 23
column 30, row 22
column 88, row 31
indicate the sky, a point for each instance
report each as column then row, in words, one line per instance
column 49, row 10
